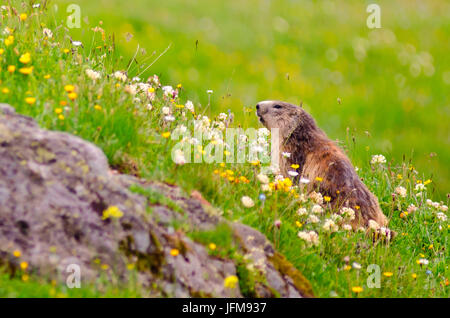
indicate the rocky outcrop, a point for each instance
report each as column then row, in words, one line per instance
column 54, row 189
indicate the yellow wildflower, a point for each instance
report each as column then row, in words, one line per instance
column 66, row 51
column 212, row 246
column 299, row 224
column 5, row 90
column 357, row 289
column 231, row 281
column 24, row 265
column 69, row 88
column 295, row 166
column 399, row 177
column 11, row 68
column 319, row 179
column 2, row 51
column 25, row 277
column 47, row 76
column 9, row 40
column 72, row 96
column 26, row 70
column 105, row 267
column 98, row 107
column 23, row 16
column 25, row 58
column 388, row 274
column 61, row 117
column 58, row 110
column 174, row 252
column 113, row 212
column 327, row 198
column 151, row 90
column 414, row 276
column 427, row 182
column 17, row 253
column 30, row 100
column 166, row 134
column 130, row 266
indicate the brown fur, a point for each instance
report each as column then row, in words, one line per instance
column 320, row 157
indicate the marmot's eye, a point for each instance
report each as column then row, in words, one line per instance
column 277, row 106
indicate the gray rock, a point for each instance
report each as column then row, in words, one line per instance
column 54, row 188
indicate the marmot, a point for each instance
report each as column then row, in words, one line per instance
column 319, row 157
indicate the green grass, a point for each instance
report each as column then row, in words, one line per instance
column 131, row 134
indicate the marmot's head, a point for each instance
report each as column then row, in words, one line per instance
column 282, row 115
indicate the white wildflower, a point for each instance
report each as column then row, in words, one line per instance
column 293, row 173
column 262, row 178
column 317, row 209
column 378, row 159
column 286, row 154
column 347, row 227
column 316, row 197
column 423, row 261
column 313, row 219
column 401, row 191
column 189, row 106
column 304, row 180
column 93, row 75
column 373, row 225
column 120, row 76
column 330, row 226
column 302, row 212
column 222, row 116
column 348, row 213
column 356, row 265
column 419, row 187
column 310, row 237
column 47, row 32
column 165, row 110
column 441, row 216
column 168, row 91
column 247, row 202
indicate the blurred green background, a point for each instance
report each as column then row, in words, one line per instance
column 393, row 82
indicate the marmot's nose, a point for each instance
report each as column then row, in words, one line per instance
column 257, row 106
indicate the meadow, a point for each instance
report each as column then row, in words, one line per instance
column 378, row 91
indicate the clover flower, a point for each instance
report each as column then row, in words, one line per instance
column 302, row 212
column 330, row 226
column 317, row 209
column 313, row 219
column 401, row 191
column 348, row 213
column 247, row 202
column 378, row 160
column 310, row 237
column 93, row 75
